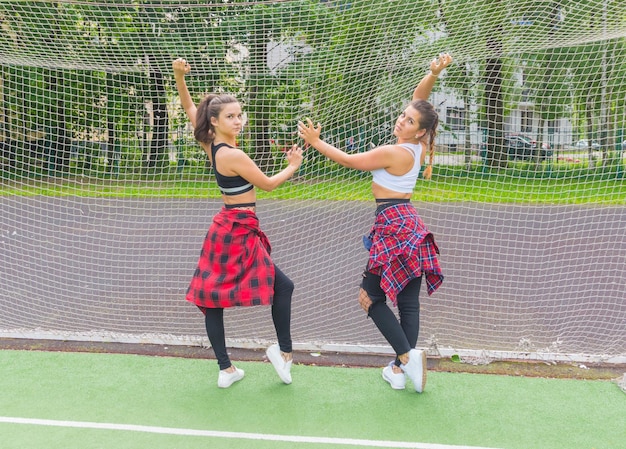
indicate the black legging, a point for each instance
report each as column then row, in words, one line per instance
column 402, row 336
column 281, row 316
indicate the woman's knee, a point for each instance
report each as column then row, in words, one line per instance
column 283, row 287
column 282, row 282
column 365, row 301
column 408, row 298
column 370, row 292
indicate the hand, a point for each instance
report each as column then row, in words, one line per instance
column 294, row 156
column 181, row 67
column 428, row 172
column 308, row 132
column 438, row 64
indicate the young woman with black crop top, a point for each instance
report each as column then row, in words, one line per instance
column 401, row 249
column 235, row 267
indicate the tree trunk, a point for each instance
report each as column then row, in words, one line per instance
column 536, row 157
column 158, row 156
column 494, row 104
column 3, row 115
column 466, row 121
column 589, row 116
column 110, row 120
column 60, row 141
column 257, row 116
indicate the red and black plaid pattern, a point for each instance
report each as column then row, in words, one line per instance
column 235, row 268
column 403, row 249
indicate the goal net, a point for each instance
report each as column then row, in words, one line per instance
column 106, row 197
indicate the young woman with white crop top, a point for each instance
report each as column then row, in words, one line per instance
column 401, row 249
column 235, row 267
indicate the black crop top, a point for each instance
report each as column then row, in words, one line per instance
column 229, row 185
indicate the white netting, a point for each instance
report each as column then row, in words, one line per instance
column 105, row 196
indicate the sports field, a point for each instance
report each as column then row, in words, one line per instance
column 102, row 400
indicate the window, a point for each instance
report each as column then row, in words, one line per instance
column 527, row 121
column 553, row 127
column 456, row 117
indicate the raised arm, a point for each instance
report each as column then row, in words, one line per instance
column 425, row 86
column 181, row 68
column 245, row 167
column 379, row 157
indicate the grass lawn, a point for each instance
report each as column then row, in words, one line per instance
column 557, row 183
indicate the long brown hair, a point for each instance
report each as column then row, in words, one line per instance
column 209, row 107
column 429, row 120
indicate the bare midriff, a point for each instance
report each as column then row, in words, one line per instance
column 381, row 192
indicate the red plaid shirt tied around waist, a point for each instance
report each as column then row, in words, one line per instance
column 403, row 249
column 235, row 268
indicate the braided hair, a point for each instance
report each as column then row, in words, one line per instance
column 429, row 120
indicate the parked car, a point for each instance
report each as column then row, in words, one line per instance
column 520, row 146
column 584, row 145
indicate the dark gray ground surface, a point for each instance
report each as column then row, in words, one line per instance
column 518, row 278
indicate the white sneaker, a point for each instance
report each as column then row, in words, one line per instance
column 282, row 368
column 396, row 380
column 226, row 379
column 416, row 369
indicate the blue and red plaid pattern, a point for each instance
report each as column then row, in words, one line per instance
column 235, row 268
column 403, row 249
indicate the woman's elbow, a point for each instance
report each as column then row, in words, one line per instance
column 353, row 165
column 267, row 186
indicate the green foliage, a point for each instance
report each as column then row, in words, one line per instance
column 81, row 67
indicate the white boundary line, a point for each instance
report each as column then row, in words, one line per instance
column 165, row 339
column 231, row 435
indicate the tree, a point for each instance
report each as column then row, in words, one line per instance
column 360, row 70
column 270, row 97
column 159, row 145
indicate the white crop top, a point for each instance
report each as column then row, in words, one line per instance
column 406, row 182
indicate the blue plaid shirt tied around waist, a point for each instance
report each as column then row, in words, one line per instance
column 403, row 249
